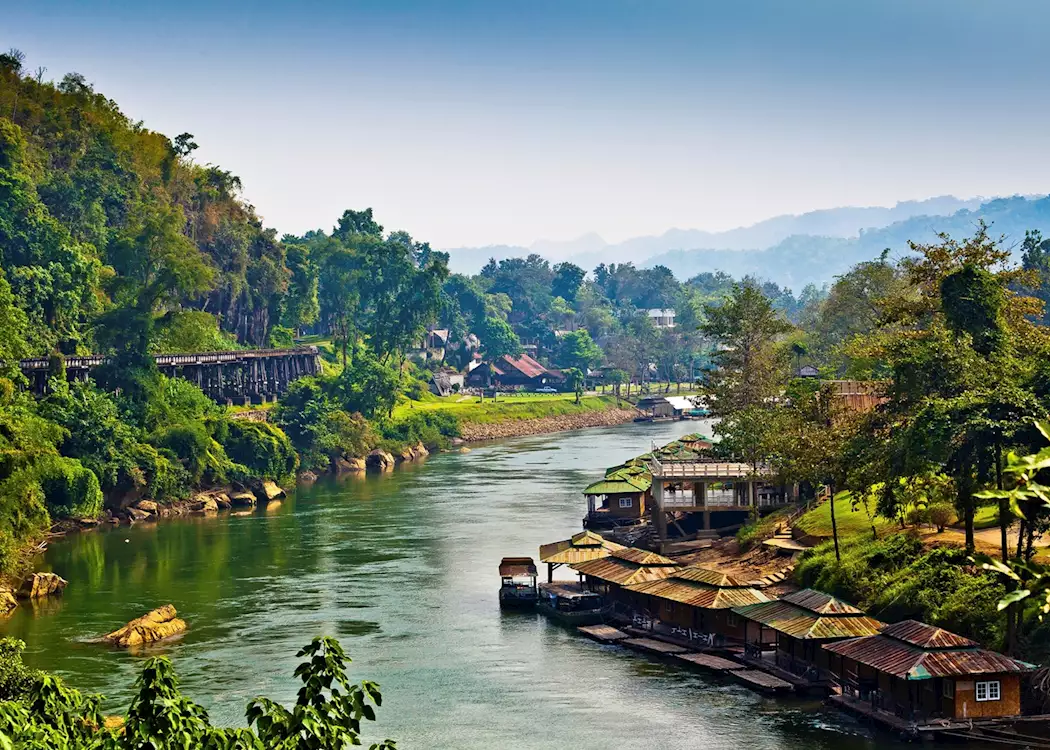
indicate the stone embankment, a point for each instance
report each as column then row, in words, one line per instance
column 474, row 432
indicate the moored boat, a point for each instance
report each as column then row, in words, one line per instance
column 570, row 603
column 518, row 583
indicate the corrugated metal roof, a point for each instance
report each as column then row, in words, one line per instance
column 700, row 574
column 643, row 557
column 581, row 547
column 926, row 636
column 797, row 622
column 524, row 364
column 907, row 662
column 701, row 595
column 623, row 572
column 517, row 566
column 613, row 487
column 821, row 603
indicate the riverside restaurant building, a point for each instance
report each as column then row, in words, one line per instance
column 609, row 575
column 797, row 626
column 923, row 673
column 579, row 548
column 695, row 603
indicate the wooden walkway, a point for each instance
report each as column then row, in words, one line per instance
column 652, row 646
column 602, row 633
column 710, row 662
column 761, row 681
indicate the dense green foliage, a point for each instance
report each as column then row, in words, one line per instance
column 39, row 711
column 897, row 578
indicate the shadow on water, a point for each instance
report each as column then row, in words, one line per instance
column 402, row 568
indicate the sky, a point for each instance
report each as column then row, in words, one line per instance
column 491, row 122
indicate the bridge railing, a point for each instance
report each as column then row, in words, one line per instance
column 175, row 360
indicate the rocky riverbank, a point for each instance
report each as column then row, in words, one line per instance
column 477, row 431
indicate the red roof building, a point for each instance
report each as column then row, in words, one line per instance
column 512, row 371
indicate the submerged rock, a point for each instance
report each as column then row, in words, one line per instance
column 223, row 501
column 154, row 626
column 379, row 459
column 267, row 491
column 307, row 477
column 41, row 584
column 420, row 450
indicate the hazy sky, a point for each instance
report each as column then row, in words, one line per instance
column 471, row 123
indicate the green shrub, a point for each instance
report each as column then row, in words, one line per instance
column 432, row 428
column 16, row 679
column 159, row 476
column 70, row 489
column 916, row 516
column 941, row 514
column 191, row 331
column 192, row 444
column 261, row 447
column 174, row 401
column 23, row 515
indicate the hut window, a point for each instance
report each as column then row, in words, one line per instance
column 626, row 502
column 948, row 688
column 988, row 691
column 732, row 620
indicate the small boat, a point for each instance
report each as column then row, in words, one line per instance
column 570, row 603
column 518, row 583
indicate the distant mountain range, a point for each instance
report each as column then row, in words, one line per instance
column 792, row 250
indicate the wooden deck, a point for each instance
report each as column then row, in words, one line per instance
column 652, row 646
column 602, row 633
column 761, row 681
column 710, row 662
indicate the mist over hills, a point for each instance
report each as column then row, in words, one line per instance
column 812, row 247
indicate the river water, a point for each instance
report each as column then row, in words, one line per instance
column 402, row 568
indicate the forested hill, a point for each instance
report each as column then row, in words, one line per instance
column 803, row 259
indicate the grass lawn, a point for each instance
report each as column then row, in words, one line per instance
column 986, row 517
column 850, row 522
column 509, row 407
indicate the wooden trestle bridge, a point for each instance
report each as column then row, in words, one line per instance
column 245, row 376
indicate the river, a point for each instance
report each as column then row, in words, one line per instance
column 402, row 568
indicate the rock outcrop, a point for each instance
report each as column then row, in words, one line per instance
column 7, row 602
column 307, row 477
column 420, row 450
column 349, row 465
column 267, row 491
column 242, row 499
column 154, row 626
column 41, row 584
column 204, row 504
column 223, row 501
column 147, row 506
column 379, row 459
column 134, row 514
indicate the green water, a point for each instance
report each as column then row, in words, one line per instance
column 402, row 569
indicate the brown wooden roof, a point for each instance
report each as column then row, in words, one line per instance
column 581, row 547
column 517, row 566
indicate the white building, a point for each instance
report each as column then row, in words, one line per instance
column 662, row 318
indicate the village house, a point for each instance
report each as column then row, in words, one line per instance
column 513, row 372
column 695, row 601
column 619, row 498
column 662, row 318
column 798, row 625
column 923, row 673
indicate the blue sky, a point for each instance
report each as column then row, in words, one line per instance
column 471, row 123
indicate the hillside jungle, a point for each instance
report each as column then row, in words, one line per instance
column 115, row 240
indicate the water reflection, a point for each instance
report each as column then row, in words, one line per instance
column 401, row 567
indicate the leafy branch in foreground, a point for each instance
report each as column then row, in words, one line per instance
column 1027, row 497
column 327, row 713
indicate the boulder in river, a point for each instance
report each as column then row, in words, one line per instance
column 7, row 602
column 147, row 506
column 307, row 477
column 379, row 459
column 134, row 514
column 204, row 504
column 223, row 501
column 154, row 626
column 267, row 491
column 420, row 450
column 40, row 585
column 349, row 465
column 242, row 499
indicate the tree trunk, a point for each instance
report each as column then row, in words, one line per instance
column 834, row 524
column 1004, row 507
